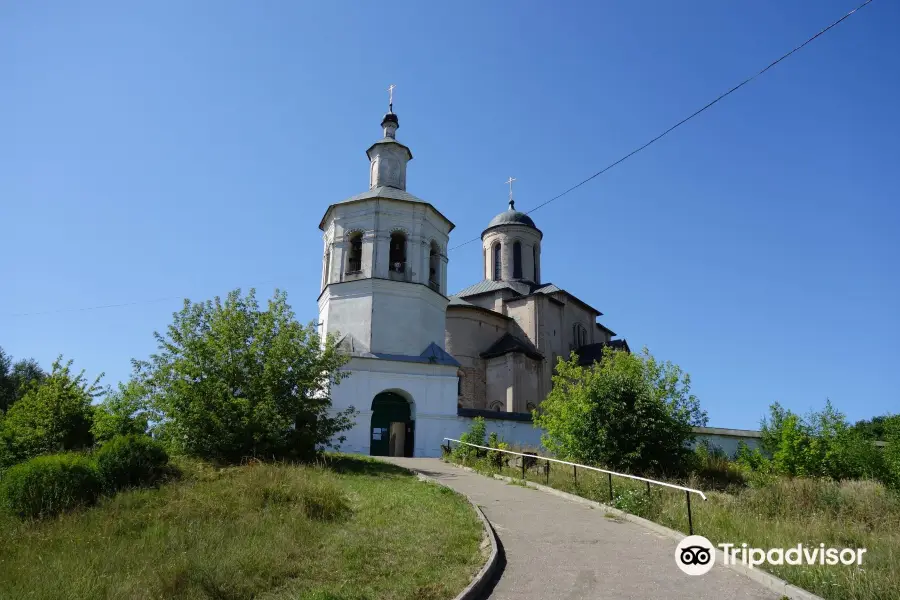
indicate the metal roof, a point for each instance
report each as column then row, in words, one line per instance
column 387, row 193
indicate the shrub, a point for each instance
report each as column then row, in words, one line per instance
column 48, row 485
column 475, row 435
column 130, row 461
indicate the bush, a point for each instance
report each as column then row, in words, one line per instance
column 475, row 435
column 130, row 461
column 48, row 485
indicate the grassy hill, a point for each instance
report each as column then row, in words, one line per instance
column 349, row 529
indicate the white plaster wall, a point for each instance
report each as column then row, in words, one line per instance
column 431, row 389
column 377, row 219
column 729, row 444
column 406, row 317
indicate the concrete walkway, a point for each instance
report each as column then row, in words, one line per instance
column 558, row 549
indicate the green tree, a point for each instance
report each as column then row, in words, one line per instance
column 16, row 378
column 122, row 412
column 628, row 412
column 230, row 381
column 821, row 444
column 52, row 416
column 892, row 451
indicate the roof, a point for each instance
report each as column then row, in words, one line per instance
column 522, row 288
column 387, row 193
column 606, row 329
column 591, row 353
column 388, row 140
column 511, row 216
column 510, row 343
column 433, row 354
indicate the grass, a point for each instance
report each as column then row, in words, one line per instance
column 354, row 529
column 768, row 513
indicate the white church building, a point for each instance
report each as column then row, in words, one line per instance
column 384, row 296
column 423, row 362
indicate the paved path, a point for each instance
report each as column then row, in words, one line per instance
column 556, row 549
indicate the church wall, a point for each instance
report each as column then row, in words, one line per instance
column 431, row 389
column 348, row 313
column 499, row 382
column 528, row 373
column 406, row 318
column 506, row 236
column 469, row 333
column 522, row 311
column 376, row 219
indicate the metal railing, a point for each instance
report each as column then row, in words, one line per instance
column 687, row 491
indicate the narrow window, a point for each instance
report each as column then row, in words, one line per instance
column 459, row 384
column 398, row 252
column 354, row 257
column 517, row 260
column 537, row 267
column 434, row 272
column 326, row 271
column 497, row 265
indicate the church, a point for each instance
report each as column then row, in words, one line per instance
column 424, row 362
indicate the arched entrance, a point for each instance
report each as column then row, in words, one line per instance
column 393, row 429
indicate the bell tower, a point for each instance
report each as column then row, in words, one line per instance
column 384, row 298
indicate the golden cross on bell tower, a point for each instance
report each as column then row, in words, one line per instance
column 391, row 97
column 512, row 202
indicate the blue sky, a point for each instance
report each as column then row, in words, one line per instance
column 157, row 151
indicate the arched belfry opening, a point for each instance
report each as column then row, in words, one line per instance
column 354, row 254
column 398, row 254
column 392, row 432
column 434, row 266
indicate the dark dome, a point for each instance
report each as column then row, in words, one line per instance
column 390, row 118
column 511, row 217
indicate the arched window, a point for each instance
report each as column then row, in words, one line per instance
column 579, row 335
column 434, row 263
column 517, row 260
column 497, row 265
column 354, row 256
column 530, row 407
column 537, row 259
column 497, row 406
column 398, row 252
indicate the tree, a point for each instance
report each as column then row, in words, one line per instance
column 16, row 378
column 52, row 416
column 231, row 381
column 821, row 444
column 628, row 412
column 121, row 413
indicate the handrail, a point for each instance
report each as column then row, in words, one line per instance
column 571, row 464
column 687, row 491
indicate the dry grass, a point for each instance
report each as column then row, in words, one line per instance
column 771, row 512
column 352, row 530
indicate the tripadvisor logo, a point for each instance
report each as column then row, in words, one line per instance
column 695, row 555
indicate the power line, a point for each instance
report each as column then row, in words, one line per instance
column 684, row 120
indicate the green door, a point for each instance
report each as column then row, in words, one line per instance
column 387, row 408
